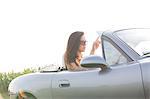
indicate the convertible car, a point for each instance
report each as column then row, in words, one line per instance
column 123, row 72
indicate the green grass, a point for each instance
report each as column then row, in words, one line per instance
column 4, row 95
column 6, row 78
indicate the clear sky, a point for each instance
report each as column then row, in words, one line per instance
column 35, row 32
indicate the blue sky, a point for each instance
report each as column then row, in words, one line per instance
column 35, row 32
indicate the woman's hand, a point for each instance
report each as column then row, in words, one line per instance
column 96, row 44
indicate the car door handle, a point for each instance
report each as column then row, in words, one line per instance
column 64, row 83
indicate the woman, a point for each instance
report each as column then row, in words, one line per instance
column 76, row 45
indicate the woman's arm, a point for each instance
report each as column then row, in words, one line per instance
column 95, row 46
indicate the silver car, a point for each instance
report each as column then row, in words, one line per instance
column 122, row 73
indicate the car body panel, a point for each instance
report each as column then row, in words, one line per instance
column 145, row 67
column 129, row 80
column 38, row 84
column 122, row 82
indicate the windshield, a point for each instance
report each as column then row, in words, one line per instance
column 137, row 39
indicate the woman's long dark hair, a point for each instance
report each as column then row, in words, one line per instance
column 72, row 47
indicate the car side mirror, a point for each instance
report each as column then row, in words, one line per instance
column 94, row 61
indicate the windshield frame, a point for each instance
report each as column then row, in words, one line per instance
column 123, row 31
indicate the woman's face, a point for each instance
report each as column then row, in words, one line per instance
column 82, row 44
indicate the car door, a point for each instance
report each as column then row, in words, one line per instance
column 121, row 81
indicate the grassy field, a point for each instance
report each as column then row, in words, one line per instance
column 6, row 78
column 4, row 96
column 1, row 97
